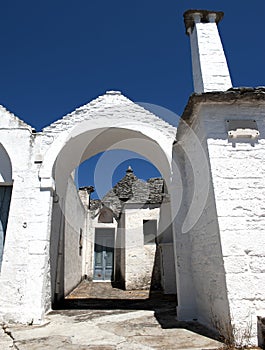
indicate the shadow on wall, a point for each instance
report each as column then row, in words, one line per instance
column 119, row 265
column 202, row 290
column 156, row 273
column 57, row 253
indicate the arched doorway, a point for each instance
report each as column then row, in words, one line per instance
column 68, row 265
column 143, row 133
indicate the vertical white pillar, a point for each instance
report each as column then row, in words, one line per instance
column 209, row 65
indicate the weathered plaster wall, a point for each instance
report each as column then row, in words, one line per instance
column 200, row 267
column 209, row 65
column 238, row 178
column 139, row 258
column 89, row 247
column 75, row 223
column 227, row 241
column 166, row 247
column 208, row 59
column 25, row 277
column 57, row 250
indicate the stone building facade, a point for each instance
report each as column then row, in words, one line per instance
column 125, row 243
column 213, row 168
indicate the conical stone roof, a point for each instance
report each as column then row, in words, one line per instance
column 131, row 190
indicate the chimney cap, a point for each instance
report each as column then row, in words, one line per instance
column 204, row 14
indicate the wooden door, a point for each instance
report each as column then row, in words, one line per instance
column 104, row 254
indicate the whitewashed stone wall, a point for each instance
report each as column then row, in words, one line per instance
column 238, row 178
column 226, row 244
column 200, row 268
column 209, row 66
column 75, row 225
column 139, row 258
column 166, row 246
column 89, row 250
column 24, row 279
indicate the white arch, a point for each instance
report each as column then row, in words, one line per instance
column 110, row 122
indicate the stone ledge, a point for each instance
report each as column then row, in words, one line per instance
column 244, row 94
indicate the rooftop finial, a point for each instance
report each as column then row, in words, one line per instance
column 129, row 170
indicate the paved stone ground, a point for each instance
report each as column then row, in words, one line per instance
column 93, row 319
column 105, row 290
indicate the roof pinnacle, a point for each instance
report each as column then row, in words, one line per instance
column 129, row 170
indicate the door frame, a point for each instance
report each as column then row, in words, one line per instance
column 112, row 231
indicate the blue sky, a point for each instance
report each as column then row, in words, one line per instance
column 57, row 55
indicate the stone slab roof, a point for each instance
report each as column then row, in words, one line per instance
column 131, row 190
column 111, row 104
column 10, row 120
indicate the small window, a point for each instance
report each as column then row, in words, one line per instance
column 150, row 231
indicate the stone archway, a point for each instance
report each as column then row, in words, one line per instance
column 41, row 167
column 110, row 111
column 110, row 122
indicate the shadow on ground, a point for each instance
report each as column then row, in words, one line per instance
column 163, row 306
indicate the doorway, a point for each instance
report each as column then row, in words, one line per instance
column 104, row 254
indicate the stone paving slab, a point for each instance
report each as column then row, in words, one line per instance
column 97, row 316
column 106, row 330
column 5, row 341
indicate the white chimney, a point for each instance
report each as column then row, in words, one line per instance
column 209, row 65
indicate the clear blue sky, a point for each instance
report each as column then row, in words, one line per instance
column 57, row 55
